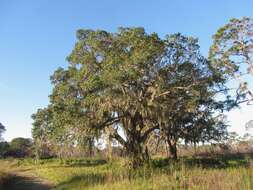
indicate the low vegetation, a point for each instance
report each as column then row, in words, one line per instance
column 229, row 172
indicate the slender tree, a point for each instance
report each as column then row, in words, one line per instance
column 232, row 53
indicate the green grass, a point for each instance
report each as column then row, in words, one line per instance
column 190, row 173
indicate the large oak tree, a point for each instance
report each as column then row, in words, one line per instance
column 133, row 84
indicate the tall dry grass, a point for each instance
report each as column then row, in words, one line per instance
column 232, row 172
column 220, row 173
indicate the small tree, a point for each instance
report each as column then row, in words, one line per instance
column 42, row 131
column 20, row 147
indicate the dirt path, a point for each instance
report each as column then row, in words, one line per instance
column 23, row 179
column 17, row 182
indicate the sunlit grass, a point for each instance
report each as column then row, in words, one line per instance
column 94, row 174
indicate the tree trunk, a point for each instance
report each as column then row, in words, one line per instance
column 90, row 146
column 108, row 146
column 195, row 148
column 173, row 148
column 136, row 137
column 138, row 154
column 134, row 150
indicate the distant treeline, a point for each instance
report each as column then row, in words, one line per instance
column 18, row 148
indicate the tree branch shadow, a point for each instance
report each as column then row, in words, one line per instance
column 16, row 182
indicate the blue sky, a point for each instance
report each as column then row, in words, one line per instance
column 36, row 36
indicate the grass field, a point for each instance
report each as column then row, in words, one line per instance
column 93, row 174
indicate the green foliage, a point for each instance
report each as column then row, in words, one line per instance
column 231, row 53
column 132, row 84
column 4, row 148
column 20, row 143
column 20, row 147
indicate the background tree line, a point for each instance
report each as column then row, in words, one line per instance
column 133, row 89
column 18, row 147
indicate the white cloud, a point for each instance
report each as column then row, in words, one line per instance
column 239, row 117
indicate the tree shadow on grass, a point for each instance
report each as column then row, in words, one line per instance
column 86, row 163
column 82, row 181
column 71, row 163
column 15, row 182
column 217, row 161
